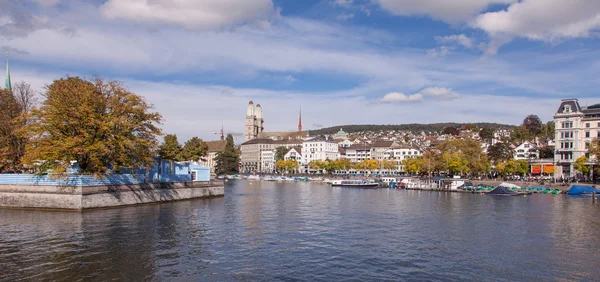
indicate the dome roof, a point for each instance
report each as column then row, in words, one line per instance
column 258, row 105
column 341, row 131
column 251, row 103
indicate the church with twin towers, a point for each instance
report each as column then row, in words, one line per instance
column 254, row 126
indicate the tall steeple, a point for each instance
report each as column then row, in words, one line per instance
column 222, row 133
column 300, row 121
column 7, row 83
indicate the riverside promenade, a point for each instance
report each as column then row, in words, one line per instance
column 78, row 193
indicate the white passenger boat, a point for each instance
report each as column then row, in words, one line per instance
column 354, row 183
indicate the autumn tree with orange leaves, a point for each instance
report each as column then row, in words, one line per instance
column 98, row 123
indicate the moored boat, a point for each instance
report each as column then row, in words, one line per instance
column 354, row 183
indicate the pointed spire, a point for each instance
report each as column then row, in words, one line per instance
column 7, row 83
column 222, row 133
column 300, row 121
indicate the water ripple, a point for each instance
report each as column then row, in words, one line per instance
column 310, row 232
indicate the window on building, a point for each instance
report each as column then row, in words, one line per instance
column 567, row 108
column 587, row 125
column 526, row 146
column 587, row 134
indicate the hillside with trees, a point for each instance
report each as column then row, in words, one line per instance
column 414, row 127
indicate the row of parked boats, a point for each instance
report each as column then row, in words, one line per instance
column 503, row 188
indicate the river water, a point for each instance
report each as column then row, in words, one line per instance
column 310, row 232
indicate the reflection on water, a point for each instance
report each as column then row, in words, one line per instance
column 307, row 231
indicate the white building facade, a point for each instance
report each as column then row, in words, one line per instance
column 267, row 161
column 319, row 148
column 526, row 151
column 575, row 128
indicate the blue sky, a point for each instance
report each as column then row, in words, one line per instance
column 341, row 61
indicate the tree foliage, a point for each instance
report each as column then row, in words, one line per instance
column 520, row 134
column 413, row 127
column 486, row 133
column 546, row 152
column 580, row 165
column 471, row 159
column 388, row 164
column 413, row 165
column 500, row 152
column 548, row 129
column 280, row 153
column 228, row 160
column 194, row 149
column 96, row 123
column 594, row 149
column 450, row 130
column 287, row 165
column 533, row 124
column 170, row 149
column 12, row 144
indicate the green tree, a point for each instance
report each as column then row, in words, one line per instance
column 471, row 155
column 371, row 165
column 412, row 165
column 11, row 143
column 316, row 165
column 170, row 149
column 194, row 149
column 450, row 130
column 533, row 124
column 388, row 164
column 594, row 148
column 344, row 164
column 522, row 167
column 486, row 134
column 291, row 165
column 280, row 153
column 228, row 160
column 280, row 164
column 94, row 122
column 500, row 152
column 548, row 130
column 580, row 165
column 520, row 134
column 546, row 152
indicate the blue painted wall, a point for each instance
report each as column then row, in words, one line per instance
column 182, row 173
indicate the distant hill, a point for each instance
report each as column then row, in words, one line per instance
column 414, row 127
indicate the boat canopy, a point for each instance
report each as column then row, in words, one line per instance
column 502, row 190
column 509, row 185
column 582, row 189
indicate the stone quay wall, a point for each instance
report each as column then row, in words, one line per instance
column 78, row 198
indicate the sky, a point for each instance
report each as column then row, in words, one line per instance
column 200, row 62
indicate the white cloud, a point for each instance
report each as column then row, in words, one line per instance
column 190, row 14
column 46, row 3
column 401, row 97
column 440, row 92
column 290, row 78
column 344, row 17
column 343, row 3
column 442, row 51
column 461, row 39
column 546, row 20
column 451, row 11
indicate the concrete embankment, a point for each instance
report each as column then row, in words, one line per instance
column 78, row 198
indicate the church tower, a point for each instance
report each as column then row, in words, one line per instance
column 300, row 122
column 7, row 84
column 254, row 124
column 260, row 124
column 249, row 132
